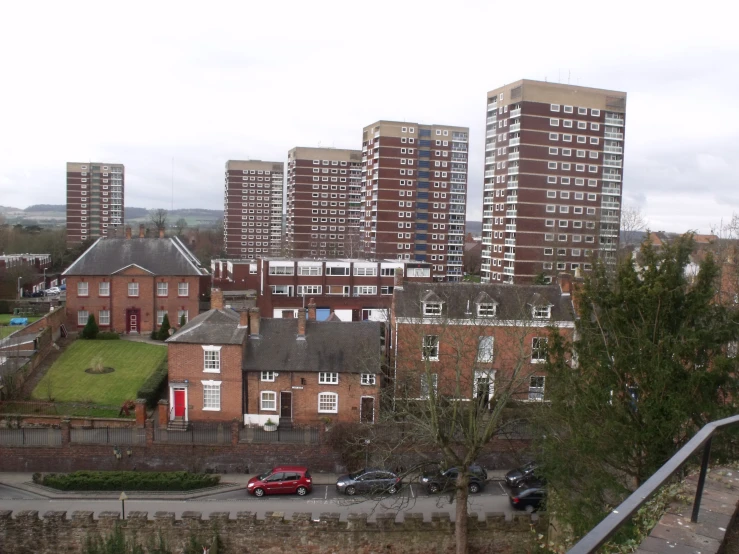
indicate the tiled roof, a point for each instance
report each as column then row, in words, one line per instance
column 166, row 256
column 212, row 327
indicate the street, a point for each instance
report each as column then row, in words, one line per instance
column 324, row 498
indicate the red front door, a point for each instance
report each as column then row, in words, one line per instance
column 179, row 403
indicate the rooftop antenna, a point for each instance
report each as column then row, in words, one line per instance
column 172, row 206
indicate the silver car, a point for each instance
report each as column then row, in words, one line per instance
column 368, row 481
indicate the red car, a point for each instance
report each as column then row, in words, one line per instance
column 281, row 480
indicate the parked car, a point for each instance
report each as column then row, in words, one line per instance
column 281, row 480
column 63, row 287
column 53, row 291
column 442, row 480
column 530, row 496
column 37, row 294
column 368, row 481
column 516, row 477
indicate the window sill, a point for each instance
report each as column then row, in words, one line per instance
column 211, row 409
column 103, row 296
column 335, row 384
column 211, row 370
column 328, row 411
column 538, row 361
column 268, row 409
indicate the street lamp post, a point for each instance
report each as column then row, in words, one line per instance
column 123, row 499
column 44, row 278
column 366, row 452
column 20, row 291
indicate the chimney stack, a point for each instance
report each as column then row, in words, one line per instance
column 398, row 279
column 243, row 319
column 301, row 323
column 254, row 321
column 312, row 310
column 565, row 283
column 128, row 232
column 142, row 231
column 216, row 299
column 161, row 233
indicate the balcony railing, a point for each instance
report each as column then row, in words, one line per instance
column 514, row 155
column 507, row 271
column 511, row 257
column 514, row 141
column 511, row 199
column 612, row 163
column 490, row 134
column 488, row 147
column 613, row 149
column 513, row 170
column 490, row 160
column 516, row 112
column 512, row 185
column 493, row 106
column 511, row 213
column 511, row 227
column 492, row 119
column 612, row 177
column 598, row 536
column 514, row 128
column 615, row 121
column 490, row 173
column 613, row 136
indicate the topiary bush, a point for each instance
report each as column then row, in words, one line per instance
column 91, row 330
column 164, row 329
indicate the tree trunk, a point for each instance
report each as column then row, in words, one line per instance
column 460, row 523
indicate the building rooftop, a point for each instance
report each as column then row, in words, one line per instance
column 211, row 327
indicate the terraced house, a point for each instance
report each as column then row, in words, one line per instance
column 129, row 284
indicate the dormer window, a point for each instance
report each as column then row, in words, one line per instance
column 432, row 309
column 486, row 310
column 542, row 312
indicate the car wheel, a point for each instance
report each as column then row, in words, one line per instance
column 302, row 491
column 259, row 492
column 393, row 489
column 529, row 509
column 351, row 491
column 474, row 488
column 433, row 488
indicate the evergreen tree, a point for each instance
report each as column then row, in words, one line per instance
column 164, row 329
column 90, row 331
column 154, row 332
column 183, row 321
column 650, row 367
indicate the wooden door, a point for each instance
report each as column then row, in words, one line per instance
column 367, row 410
column 179, row 403
column 286, row 405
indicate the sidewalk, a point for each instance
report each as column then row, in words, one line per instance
column 229, row 482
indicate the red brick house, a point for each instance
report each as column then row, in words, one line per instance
column 225, row 365
column 128, row 284
column 476, row 337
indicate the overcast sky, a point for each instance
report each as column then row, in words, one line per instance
column 145, row 83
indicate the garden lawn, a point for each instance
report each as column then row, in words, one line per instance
column 6, row 329
column 66, row 380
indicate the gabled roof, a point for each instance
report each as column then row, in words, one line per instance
column 166, row 256
column 537, row 301
column 341, row 347
column 513, row 301
column 212, row 327
column 430, row 296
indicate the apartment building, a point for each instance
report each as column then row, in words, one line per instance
column 323, row 202
column 552, row 189
column 94, row 200
column 343, row 289
column 252, row 211
column 414, row 190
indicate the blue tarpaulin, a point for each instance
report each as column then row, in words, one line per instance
column 19, row 321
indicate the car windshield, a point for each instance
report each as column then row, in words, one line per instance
column 357, row 473
column 264, row 475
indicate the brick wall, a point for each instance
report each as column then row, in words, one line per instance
column 274, row 535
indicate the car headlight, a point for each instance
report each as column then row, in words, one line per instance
column 424, row 479
column 250, row 485
column 341, row 484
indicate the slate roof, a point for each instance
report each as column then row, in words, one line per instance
column 167, row 256
column 212, row 327
column 342, row 347
column 514, row 301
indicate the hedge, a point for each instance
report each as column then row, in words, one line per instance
column 129, row 481
column 108, row 336
column 151, row 389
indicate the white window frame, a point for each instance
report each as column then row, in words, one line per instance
column 265, row 401
column 183, row 287
column 538, row 353
column 487, row 309
column 541, row 312
column 430, row 348
column 83, row 288
column 104, row 289
column 537, row 384
column 486, row 349
column 328, row 403
column 425, row 389
column 368, row 379
column 214, row 386
column 133, row 290
column 328, row 378
column 432, row 309
column 162, row 287
column 211, row 362
column 82, row 316
column 106, row 317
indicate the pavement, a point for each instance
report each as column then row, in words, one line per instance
column 230, row 482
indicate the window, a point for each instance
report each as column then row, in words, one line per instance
column 582, row 111
column 328, row 402
column 485, row 350
column 212, row 359
column 365, row 271
column 542, row 312
column 568, row 109
column 596, row 113
column 337, row 270
column 432, row 309
column 309, row 289
column 160, row 316
column 82, row 289
column 162, row 289
column 182, row 316
column 211, row 395
column 554, row 122
column 554, row 107
column 281, row 270
column 183, row 289
column 268, row 399
column 538, row 349
column 553, row 136
column 326, row 378
column 309, row 270
column 536, row 388
column 133, row 289
column 82, row 316
column 551, row 194
column 486, row 310
column 368, row 379
column 430, row 347
column 268, row 376
column 104, row 289
column 364, row 290
column 429, row 382
column 104, row 317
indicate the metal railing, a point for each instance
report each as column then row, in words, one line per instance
column 31, row 437
column 108, row 435
column 598, row 536
column 299, row 435
column 196, row 433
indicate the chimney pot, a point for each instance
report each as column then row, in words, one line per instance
column 161, row 233
column 398, row 278
column 301, row 323
column 243, row 319
column 254, row 321
column 216, row 299
column 312, row 310
column 141, row 231
column 128, row 232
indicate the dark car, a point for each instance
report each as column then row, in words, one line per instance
column 37, row 294
column 281, row 480
column 442, row 480
column 368, row 481
column 515, row 477
column 530, row 496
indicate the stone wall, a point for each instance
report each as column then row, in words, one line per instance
column 27, row 534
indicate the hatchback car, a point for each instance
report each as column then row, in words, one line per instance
column 368, row 481
column 516, row 477
column 53, row 291
column 531, row 496
column 442, row 480
column 281, row 480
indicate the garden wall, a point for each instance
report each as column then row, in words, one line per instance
column 274, row 535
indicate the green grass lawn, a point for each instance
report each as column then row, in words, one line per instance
column 66, row 380
column 6, row 329
column 471, row 279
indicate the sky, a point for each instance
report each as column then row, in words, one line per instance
column 175, row 89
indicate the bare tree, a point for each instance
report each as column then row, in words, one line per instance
column 633, row 225
column 158, row 219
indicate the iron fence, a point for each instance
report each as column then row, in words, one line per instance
column 31, row 437
column 108, row 435
column 217, row 433
column 295, row 435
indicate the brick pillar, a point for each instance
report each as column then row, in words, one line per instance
column 163, row 408
column 235, row 428
column 312, row 310
column 64, row 425
column 302, row 312
column 149, row 426
column 140, row 412
column 216, row 299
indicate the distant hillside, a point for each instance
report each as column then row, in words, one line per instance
column 474, row 227
column 46, row 208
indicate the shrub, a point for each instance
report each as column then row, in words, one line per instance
column 151, row 390
column 183, row 322
column 154, row 333
column 91, row 329
column 129, row 481
column 164, row 329
column 108, row 336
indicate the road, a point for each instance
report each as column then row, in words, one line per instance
column 324, row 498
